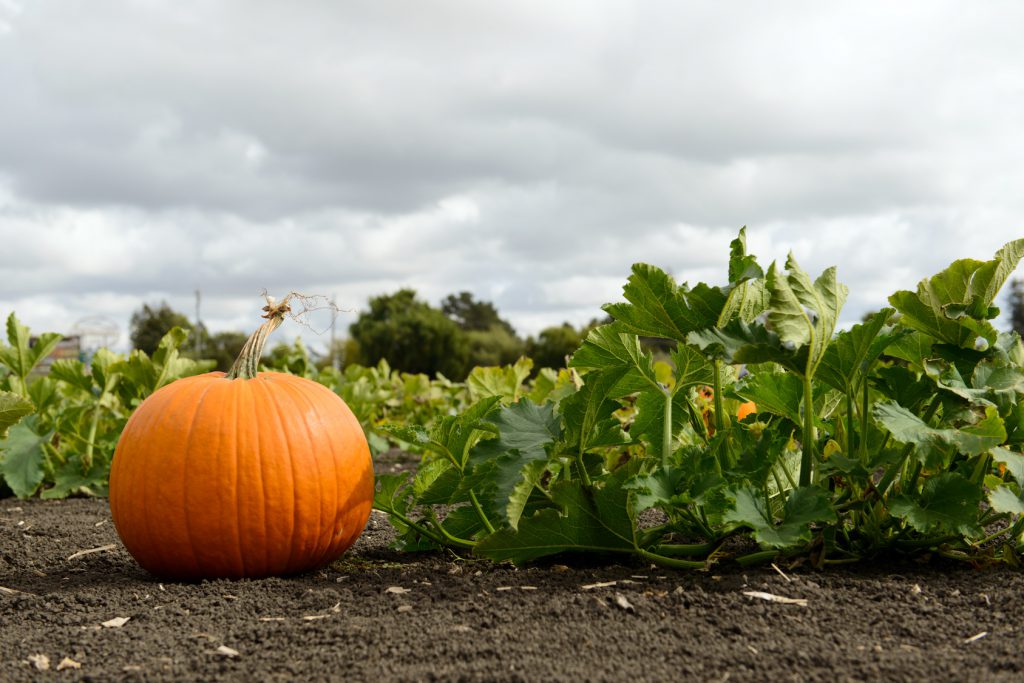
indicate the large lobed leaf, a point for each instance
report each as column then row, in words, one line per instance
column 955, row 306
column 948, row 502
column 657, row 306
column 505, row 382
column 850, row 355
column 805, row 313
column 908, row 428
column 12, row 408
column 22, row 457
column 779, row 393
column 598, row 524
column 804, row 506
column 505, row 470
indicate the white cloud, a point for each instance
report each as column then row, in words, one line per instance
column 524, row 151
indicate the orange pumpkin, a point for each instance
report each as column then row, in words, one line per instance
column 241, row 475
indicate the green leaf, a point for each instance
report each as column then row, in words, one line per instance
column 804, row 506
column 581, row 524
column 948, row 502
column 146, row 374
column 915, row 348
column 392, row 493
column 452, row 435
column 589, row 415
column 71, row 371
column 616, row 352
column 852, row 352
column 21, row 356
column 71, row 478
column 954, row 306
column 505, row 382
column 1008, row 256
column 908, row 428
column 526, row 426
column 662, row 488
column 22, row 458
column 529, row 477
column 435, row 482
column 774, row 392
column 903, row 386
column 1013, row 461
column 742, row 266
column 414, row 435
column 505, row 470
column 691, row 368
column 627, row 368
column 1004, row 499
column 742, row 342
column 991, row 385
column 12, row 408
column 657, row 306
column 649, row 422
column 803, row 313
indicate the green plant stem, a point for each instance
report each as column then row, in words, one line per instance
column 452, row 540
column 18, row 385
column 992, row 537
column 666, row 433
column 1017, row 527
column 850, row 419
column 984, row 464
column 584, row 475
column 991, row 517
column 926, row 542
column 863, row 442
column 90, row 444
column 720, row 419
column 778, row 483
column 757, row 558
column 671, row 562
column 480, row 511
column 787, row 473
column 420, row 529
column 651, row 534
column 683, row 549
column 807, row 461
column 890, row 474
column 911, row 482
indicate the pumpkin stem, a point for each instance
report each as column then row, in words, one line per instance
column 248, row 362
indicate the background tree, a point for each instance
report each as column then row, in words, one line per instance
column 552, row 345
column 412, row 335
column 224, row 348
column 471, row 314
column 494, row 346
column 491, row 339
column 1016, row 300
column 150, row 324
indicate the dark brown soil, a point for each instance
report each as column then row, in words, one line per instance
column 379, row 616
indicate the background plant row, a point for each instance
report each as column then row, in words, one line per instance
column 58, row 431
column 902, row 434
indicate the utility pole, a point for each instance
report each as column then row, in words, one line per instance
column 199, row 340
column 335, row 361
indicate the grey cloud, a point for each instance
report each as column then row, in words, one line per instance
column 525, row 151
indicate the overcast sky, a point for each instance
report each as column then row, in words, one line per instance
column 527, row 151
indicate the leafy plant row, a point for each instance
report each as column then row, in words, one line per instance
column 901, row 434
column 58, row 430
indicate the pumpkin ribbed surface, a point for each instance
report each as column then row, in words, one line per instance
column 217, row 477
